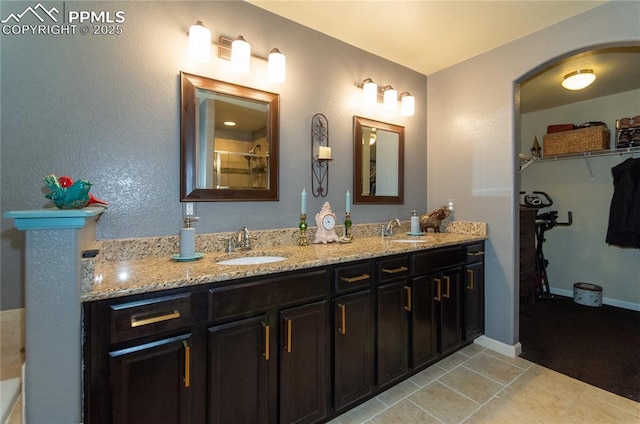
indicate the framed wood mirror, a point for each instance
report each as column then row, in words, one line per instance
column 229, row 136
column 378, row 156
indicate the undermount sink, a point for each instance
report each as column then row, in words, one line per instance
column 251, row 260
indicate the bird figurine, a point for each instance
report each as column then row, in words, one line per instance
column 76, row 196
column 66, row 181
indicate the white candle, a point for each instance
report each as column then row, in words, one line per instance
column 348, row 201
column 303, row 201
column 324, row 152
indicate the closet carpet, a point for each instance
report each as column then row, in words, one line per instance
column 597, row 345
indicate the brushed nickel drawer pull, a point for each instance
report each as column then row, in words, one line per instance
column 355, row 279
column 266, row 341
column 478, row 253
column 448, row 281
column 471, row 279
column 187, row 364
column 395, row 270
column 139, row 322
column 288, row 340
column 439, row 289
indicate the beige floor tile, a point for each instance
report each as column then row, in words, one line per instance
column 471, row 384
column 498, row 411
column 586, row 410
column 494, row 368
column 536, row 401
column 363, row 412
column 404, row 412
column 444, row 403
column 597, row 394
column 518, row 362
column 452, row 361
column 472, row 350
column 428, row 375
column 553, row 382
column 397, row 392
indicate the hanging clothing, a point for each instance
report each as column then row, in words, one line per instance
column 624, row 212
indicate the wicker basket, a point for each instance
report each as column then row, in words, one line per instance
column 576, row 141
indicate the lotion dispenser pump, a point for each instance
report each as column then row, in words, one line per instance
column 188, row 238
column 415, row 222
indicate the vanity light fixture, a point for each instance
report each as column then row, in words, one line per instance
column 408, row 104
column 200, row 42
column 390, row 96
column 369, row 92
column 241, row 55
column 579, row 79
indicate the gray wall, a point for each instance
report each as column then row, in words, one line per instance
column 106, row 108
column 473, row 133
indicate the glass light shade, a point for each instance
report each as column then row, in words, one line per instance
column 277, row 66
column 390, row 98
column 579, row 79
column 240, row 55
column 200, row 42
column 408, row 105
column 369, row 93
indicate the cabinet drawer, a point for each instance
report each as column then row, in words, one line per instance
column 474, row 253
column 426, row 262
column 393, row 269
column 353, row 276
column 149, row 316
column 261, row 295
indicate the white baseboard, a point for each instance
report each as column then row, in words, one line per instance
column 605, row 300
column 512, row 351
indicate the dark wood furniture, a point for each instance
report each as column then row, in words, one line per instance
column 301, row 346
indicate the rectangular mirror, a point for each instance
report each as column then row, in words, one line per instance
column 229, row 141
column 378, row 171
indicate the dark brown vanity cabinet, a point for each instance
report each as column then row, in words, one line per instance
column 473, row 291
column 352, row 334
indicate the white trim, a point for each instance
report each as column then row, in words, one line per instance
column 512, row 351
column 605, row 300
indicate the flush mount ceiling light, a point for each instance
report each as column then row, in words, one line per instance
column 579, row 79
column 200, row 42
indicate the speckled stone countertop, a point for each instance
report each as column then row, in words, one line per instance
column 133, row 266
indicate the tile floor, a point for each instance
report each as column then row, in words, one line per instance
column 476, row 385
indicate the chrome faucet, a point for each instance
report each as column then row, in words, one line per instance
column 387, row 231
column 243, row 242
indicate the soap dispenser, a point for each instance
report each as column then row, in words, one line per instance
column 415, row 223
column 188, row 238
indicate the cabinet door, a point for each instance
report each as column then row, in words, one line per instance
column 474, row 301
column 304, row 363
column 150, row 383
column 353, row 348
column 392, row 332
column 448, row 291
column 238, row 381
column 424, row 322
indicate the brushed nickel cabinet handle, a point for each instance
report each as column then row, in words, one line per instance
column 288, row 338
column 265, row 326
column 355, row 279
column 343, row 319
column 439, row 289
column 448, row 281
column 395, row 270
column 471, row 279
column 408, row 305
column 187, row 364
column 136, row 321
column 478, row 253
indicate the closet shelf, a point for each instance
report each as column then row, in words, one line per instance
column 583, row 155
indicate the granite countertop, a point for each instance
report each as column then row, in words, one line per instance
column 110, row 275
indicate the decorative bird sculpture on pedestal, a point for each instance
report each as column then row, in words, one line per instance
column 75, row 196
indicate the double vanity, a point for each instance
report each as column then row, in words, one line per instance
column 300, row 339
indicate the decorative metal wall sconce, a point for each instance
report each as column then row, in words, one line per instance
column 320, row 155
column 372, row 94
column 237, row 50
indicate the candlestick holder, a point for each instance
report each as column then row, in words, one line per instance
column 302, row 239
column 347, row 226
